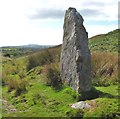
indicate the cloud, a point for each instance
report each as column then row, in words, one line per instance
column 91, row 12
column 48, row 14
column 59, row 14
column 41, row 21
column 97, row 4
column 98, row 10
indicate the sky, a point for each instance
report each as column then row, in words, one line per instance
column 41, row 21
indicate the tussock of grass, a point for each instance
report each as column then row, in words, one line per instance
column 104, row 68
column 52, row 75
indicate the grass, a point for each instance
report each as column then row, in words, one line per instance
column 106, row 105
column 41, row 100
column 107, row 42
column 44, row 101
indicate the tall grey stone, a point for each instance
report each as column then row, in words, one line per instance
column 75, row 55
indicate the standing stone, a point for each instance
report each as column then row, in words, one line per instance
column 75, row 54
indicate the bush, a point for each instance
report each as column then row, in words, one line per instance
column 43, row 57
column 12, row 82
column 22, row 74
column 37, row 59
column 22, row 88
column 15, row 83
column 52, row 75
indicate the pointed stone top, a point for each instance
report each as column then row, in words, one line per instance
column 72, row 9
column 73, row 15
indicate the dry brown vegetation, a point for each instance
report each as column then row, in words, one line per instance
column 105, row 66
column 17, row 84
column 52, row 75
column 44, row 57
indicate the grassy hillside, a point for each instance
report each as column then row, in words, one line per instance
column 105, row 42
column 32, row 85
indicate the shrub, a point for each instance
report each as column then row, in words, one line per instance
column 22, row 74
column 15, row 83
column 52, row 75
column 11, row 70
column 12, row 82
column 22, row 88
column 40, row 58
column 4, row 77
column 43, row 57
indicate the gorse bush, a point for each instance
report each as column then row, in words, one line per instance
column 52, row 75
column 12, row 68
column 22, row 88
column 43, row 57
column 15, row 83
column 22, row 74
column 40, row 58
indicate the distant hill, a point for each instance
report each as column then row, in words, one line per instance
column 35, row 46
column 29, row 46
column 22, row 50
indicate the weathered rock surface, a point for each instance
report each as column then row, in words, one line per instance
column 75, row 54
column 80, row 105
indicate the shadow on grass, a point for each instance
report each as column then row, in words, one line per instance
column 93, row 94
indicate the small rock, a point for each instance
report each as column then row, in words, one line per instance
column 13, row 110
column 80, row 105
column 4, row 101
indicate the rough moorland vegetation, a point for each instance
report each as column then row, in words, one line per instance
column 32, row 84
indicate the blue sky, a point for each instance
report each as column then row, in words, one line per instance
column 41, row 21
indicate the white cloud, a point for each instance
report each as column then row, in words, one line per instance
column 104, row 9
column 17, row 28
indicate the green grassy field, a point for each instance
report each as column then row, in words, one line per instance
column 26, row 92
column 44, row 101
